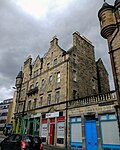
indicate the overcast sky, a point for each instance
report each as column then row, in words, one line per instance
column 27, row 27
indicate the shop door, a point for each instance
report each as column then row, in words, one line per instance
column 52, row 132
column 91, row 135
column 31, row 128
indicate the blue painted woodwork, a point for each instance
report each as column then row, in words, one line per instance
column 108, row 119
column 91, row 135
column 75, row 145
column 110, row 147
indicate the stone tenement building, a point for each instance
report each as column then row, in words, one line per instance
column 65, row 93
column 109, row 17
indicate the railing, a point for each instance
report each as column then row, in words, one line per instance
column 110, row 96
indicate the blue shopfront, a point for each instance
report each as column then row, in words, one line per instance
column 91, row 133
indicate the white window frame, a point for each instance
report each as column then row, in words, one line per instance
column 58, row 77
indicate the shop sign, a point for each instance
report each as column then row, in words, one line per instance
column 51, row 115
column 44, row 130
column 60, row 130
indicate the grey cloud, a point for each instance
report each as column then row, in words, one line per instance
column 22, row 35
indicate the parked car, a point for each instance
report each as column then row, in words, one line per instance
column 21, row 142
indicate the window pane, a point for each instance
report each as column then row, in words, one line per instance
column 48, row 66
column 112, row 116
column 103, row 117
column 60, row 130
column 110, row 132
column 49, row 99
column 42, row 83
column 41, row 98
column 58, row 77
column 72, row 119
column 55, row 62
column 79, row 119
column 57, row 96
column 76, row 132
column 34, row 103
column 50, row 79
column 36, row 84
column 31, row 86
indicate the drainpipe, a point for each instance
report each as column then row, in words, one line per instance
column 66, row 105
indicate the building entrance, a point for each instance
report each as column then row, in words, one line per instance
column 91, row 133
column 31, row 128
column 52, row 131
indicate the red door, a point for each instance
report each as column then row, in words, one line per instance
column 52, row 131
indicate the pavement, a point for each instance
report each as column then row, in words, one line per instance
column 51, row 147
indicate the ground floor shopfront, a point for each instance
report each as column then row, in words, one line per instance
column 91, row 133
column 85, row 130
column 50, row 126
column 79, row 127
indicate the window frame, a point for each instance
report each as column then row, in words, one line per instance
column 49, row 99
column 57, row 96
column 58, row 77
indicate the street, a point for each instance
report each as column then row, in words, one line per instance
column 46, row 147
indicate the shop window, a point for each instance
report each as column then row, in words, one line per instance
column 58, row 77
column 109, row 132
column 43, row 139
column 73, row 119
column 79, row 119
column 103, row 117
column 60, row 132
column 76, row 132
column 60, row 140
column 112, row 116
column 44, row 132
